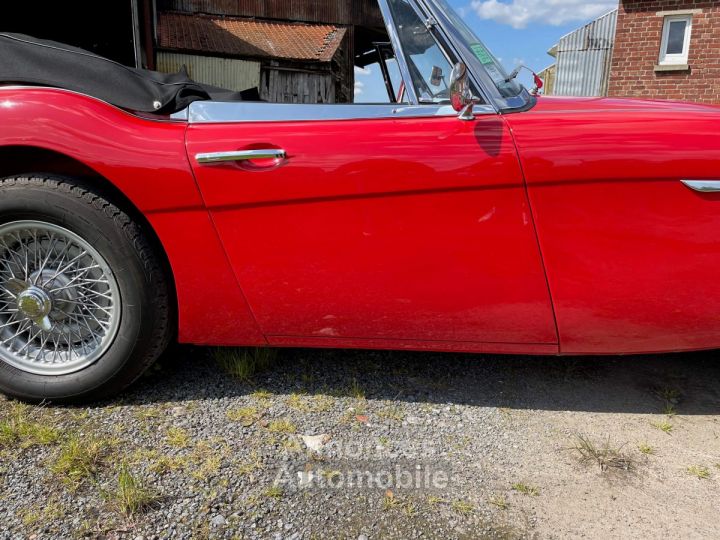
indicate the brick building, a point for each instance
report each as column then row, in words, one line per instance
column 667, row 49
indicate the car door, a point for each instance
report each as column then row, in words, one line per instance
column 385, row 228
column 387, row 222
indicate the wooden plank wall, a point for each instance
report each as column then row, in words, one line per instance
column 353, row 12
column 280, row 85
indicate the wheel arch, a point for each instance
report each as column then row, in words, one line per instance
column 29, row 160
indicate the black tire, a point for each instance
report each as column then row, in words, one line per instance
column 146, row 313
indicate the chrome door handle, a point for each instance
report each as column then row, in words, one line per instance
column 703, row 186
column 242, row 155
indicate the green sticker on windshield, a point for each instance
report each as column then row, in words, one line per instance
column 482, row 53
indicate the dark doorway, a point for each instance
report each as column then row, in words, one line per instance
column 105, row 28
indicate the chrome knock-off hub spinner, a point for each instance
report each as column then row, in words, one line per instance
column 35, row 304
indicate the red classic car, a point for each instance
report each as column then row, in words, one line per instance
column 463, row 214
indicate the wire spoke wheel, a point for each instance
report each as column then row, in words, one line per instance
column 59, row 301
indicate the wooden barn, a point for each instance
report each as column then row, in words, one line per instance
column 293, row 51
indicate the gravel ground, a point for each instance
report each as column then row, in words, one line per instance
column 362, row 445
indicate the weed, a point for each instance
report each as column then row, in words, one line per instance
column 391, row 502
column 526, row 489
column 499, row 501
column 261, row 395
column 330, row 475
column 282, row 426
column 19, row 429
column 646, row 449
column 671, row 395
column 166, row 464
column 48, row 513
column 252, row 465
column 313, row 404
column 130, row 495
column 274, row 492
column 178, row 437
column 392, row 413
column 700, row 472
column 664, row 426
column 606, row 456
column 669, row 409
column 80, row 458
column 355, row 390
column 147, row 413
column 434, row 500
column 244, row 364
column 462, row 507
column 291, row 444
column 247, row 416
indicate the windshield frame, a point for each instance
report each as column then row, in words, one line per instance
column 439, row 23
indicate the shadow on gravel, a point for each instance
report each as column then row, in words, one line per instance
column 690, row 382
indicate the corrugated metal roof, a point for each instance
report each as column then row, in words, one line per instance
column 242, row 37
column 583, row 58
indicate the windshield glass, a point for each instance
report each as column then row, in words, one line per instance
column 429, row 68
column 464, row 36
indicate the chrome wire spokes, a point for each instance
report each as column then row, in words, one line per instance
column 59, row 300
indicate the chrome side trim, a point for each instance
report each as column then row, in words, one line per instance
column 703, row 186
column 242, row 155
column 217, row 112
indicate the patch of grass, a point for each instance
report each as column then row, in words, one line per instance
column 605, row 455
column 80, row 458
column 282, row 426
column 19, row 429
column 47, row 513
column 130, row 495
column 355, row 390
column 274, row 492
column 167, row 464
column 250, row 466
column 669, row 394
column 384, row 441
column 147, row 413
column 391, row 502
column 291, row 444
column 664, row 426
column 526, row 489
column 261, row 395
column 462, row 507
column 434, row 500
column 669, row 409
column 499, row 501
column 244, row 364
column 392, row 413
column 247, row 416
column 312, row 404
column 646, row 449
column 702, row 473
column 330, row 475
column 177, row 437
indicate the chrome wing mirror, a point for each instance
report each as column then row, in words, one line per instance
column 461, row 96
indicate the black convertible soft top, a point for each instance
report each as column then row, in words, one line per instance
column 27, row 60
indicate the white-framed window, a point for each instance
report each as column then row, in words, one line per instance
column 675, row 46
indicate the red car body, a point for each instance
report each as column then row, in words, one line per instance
column 564, row 229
